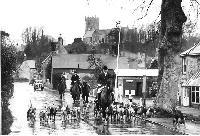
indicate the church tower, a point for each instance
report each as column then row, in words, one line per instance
column 92, row 23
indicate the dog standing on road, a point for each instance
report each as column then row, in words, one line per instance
column 178, row 118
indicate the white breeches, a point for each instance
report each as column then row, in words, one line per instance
column 100, row 89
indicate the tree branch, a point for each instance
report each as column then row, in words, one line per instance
column 196, row 1
column 139, row 6
column 147, row 10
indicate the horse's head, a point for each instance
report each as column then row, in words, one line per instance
column 110, row 85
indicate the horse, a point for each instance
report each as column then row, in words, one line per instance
column 85, row 92
column 61, row 88
column 106, row 98
column 76, row 91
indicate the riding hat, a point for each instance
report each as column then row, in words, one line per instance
column 105, row 68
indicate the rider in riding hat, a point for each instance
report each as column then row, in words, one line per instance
column 103, row 81
column 74, row 78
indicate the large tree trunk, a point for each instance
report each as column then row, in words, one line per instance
column 167, row 95
column 172, row 19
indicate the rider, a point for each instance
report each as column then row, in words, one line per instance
column 74, row 78
column 103, row 81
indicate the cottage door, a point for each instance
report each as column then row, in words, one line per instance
column 185, row 97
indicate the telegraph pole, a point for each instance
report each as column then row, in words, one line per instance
column 116, row 70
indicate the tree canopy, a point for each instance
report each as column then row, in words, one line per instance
column 77, row 47
column 37, row 44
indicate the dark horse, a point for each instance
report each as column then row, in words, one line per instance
column 62, row 87
column 76, row 91
column 106, row 98
column 85, row 92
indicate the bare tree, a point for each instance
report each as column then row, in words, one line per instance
column 172, row 21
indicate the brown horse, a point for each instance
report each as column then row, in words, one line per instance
column 62, row 87
column 76, row 91
column 106, row 98
column 85, row 92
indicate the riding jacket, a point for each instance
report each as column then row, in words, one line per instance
column 75, row 78
column 103, row 78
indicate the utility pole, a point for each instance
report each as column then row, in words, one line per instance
column 144, row 78
column 116, row 71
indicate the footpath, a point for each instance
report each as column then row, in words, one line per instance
column 192, row 125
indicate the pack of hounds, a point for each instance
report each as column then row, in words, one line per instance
column 120, row 112
column 45, row 116
column 116, row 112
column 51, row 112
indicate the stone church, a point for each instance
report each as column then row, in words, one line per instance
column 94, row 36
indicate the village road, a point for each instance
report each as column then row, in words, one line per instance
column 23, row 96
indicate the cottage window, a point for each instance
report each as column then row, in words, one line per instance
column 184, row 66
column 195, row 95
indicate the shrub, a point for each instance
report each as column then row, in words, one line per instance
column 8, row 66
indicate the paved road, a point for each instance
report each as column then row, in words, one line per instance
column 23, row 96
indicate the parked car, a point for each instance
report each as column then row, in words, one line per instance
column 38, row 85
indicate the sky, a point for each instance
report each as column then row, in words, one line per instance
column 67, row 17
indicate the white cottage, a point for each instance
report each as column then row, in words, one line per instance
column 190, row 84
column 27, row 69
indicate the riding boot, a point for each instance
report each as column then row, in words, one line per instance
column 113, row 97
column 98, row 97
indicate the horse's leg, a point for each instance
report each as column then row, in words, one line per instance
column 104, row 113
column 83, row 96
column 61, row 96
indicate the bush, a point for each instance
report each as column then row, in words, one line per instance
column 160, row 112
column 8, row 66
column 21, row 80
